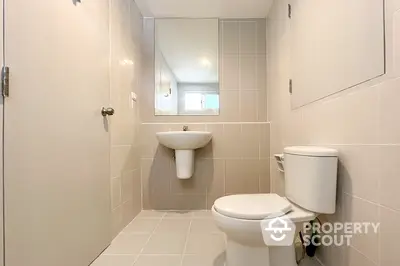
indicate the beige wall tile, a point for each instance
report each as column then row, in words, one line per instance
column 230, row 72
column 119, row 156
column 192, row 127
column 137, row 191
column 262, row 105
column 128, row 212
column 230, row 37
column 277, row 178
column 242, row 176
column 355, row 258
column 330, row 114
column 248, row 37
column 188, row 202
column 215, row 149
column 229, row 105
column 264, row 140
column 265, row 182
column 148, row 140
column 361, row 116
column 390, row 233
column 116, row 221
column 357, row 210
column 354, row 177
column 249, row 106
column 261, row 72
column 389, row 177
column 231, row 147
column 216, row 185
column 211, row 198
column 198, row 183
column 331, row 256
column 155, row 183
column 116, row 197
column 127, row 186
column 250, row 141
column 388, row 127
column 248, row 72
column 261, row 37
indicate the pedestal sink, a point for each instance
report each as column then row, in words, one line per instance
column 184, row 143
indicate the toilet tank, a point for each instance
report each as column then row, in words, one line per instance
column 311, row 178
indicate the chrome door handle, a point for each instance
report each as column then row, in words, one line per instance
column 107, row 111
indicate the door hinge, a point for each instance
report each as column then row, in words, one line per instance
column 290, row 86
column 5, row 81
column 289, row 10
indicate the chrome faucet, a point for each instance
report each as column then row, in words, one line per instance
column 185, row 128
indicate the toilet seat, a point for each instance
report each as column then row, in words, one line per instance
column 256, row 207
column 253, row 206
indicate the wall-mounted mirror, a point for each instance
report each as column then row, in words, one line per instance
column 186, row 67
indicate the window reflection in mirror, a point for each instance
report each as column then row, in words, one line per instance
column 186, row 67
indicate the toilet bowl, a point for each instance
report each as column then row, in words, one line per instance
column 310, row 189
column 240, row 217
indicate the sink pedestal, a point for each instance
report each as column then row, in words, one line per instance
column 184, row 160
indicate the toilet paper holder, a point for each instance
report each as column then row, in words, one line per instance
column 280, row 160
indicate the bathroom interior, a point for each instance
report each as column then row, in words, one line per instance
column 164, row 132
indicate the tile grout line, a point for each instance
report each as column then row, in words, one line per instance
column 378, row 204
column 148, row 239
column 364, row 255
column 187, row 239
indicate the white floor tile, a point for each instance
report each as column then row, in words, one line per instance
column 179, row 214
column 151, row 214
column 142, row 225
column 165, row 243
column 127, row 244
column 212, row 244
column 160, row 239
column 204, row 260
column 309, row 262
column 204, row 226
column 114, row 260
column 202, row 214
column 179, row 225
column 159, row 260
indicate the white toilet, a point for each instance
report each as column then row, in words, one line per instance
column 310, row 188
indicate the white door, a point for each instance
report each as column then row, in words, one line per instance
column 57, row 190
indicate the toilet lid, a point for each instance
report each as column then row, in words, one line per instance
column 253, row 206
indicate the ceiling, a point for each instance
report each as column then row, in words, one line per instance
column 190, row 48
column 204, row 8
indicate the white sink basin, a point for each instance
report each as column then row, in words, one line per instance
column 184, row 140
column 184, row 143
